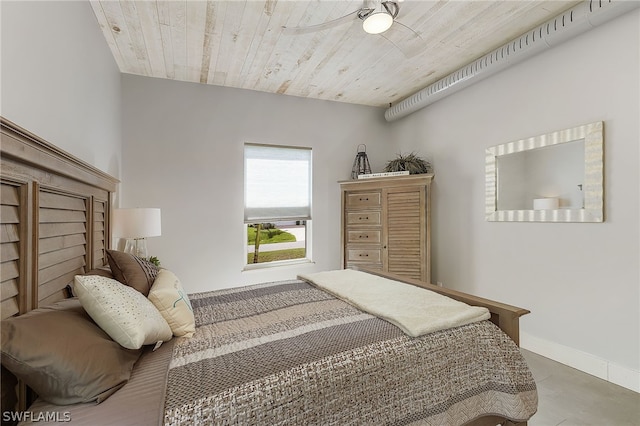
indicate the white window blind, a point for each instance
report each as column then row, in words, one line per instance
column 277, row 183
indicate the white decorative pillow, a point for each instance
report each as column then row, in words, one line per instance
column 171, row 300
column 123, row 313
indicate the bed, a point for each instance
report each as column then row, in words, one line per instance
column 287, row 352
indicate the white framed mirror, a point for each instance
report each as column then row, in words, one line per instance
column 555, row 177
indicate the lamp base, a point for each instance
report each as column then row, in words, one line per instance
column 136, row 247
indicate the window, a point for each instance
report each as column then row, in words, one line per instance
column 277, row 202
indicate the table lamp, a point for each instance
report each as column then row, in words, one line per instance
column 135, row 225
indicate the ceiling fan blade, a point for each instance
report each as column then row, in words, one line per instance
column 404, row 39
column 320, row 27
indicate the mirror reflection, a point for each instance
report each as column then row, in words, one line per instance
column 551, row 176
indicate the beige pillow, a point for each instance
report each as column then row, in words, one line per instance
column 122, row 312
column 171, row 300
column 63, row 355
column 133, row 271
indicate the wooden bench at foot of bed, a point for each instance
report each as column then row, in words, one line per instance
column 505, row 316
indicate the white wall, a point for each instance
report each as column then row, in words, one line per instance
column 59, row 79
column 581, row 281
column 183, row 152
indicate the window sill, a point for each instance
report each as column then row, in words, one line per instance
column 278, row 264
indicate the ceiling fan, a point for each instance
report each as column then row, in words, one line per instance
column 378, row 17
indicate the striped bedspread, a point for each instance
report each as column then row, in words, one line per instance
column 289, row 353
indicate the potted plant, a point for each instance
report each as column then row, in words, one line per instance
column 408, row 162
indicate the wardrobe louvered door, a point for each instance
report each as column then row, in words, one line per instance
column 62, row 243
column 406, row 245
column 11, row 266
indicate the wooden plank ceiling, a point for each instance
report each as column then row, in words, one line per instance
column 242, row 44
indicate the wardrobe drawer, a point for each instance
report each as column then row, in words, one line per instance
column 369, row 266
column 363, row 236
column 363, row 218
column 364, row 255
column 363, row 200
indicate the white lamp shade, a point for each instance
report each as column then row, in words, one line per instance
column 137, row 223
column 377, row 22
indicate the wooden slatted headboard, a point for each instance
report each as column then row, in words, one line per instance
column 54, row 224
column 54, row 220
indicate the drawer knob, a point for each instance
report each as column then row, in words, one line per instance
column 364, row 199
column 363, row 218
column 363, row 236
column 364, row 255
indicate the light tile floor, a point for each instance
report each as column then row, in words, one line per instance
column 569, row 397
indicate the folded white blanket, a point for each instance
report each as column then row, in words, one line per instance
column 415, row 310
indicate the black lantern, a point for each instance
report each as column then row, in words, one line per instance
column 361, row 163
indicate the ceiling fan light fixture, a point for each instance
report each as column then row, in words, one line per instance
column 377, row 22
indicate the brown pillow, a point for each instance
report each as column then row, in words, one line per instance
column 132, row 270
column 103, row 271
column 63, row 355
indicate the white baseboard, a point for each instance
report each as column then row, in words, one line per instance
column 583, row 361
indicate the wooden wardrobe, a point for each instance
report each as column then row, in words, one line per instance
column 386, row 225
